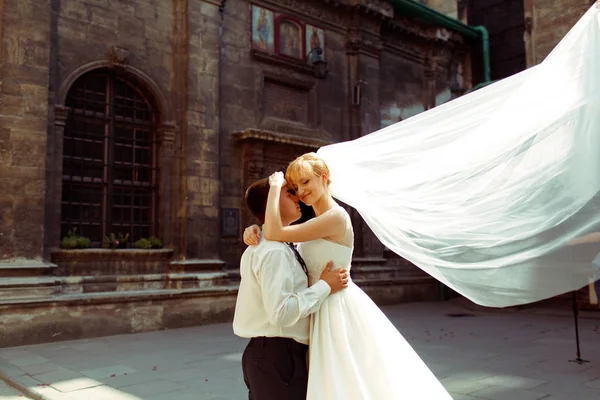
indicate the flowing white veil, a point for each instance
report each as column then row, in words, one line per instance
column 486, row 193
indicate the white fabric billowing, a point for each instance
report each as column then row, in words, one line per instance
column 485, row 192
column 355, row 351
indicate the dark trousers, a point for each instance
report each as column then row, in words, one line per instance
column 275, row 369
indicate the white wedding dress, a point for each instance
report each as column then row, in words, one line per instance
column 355, row 351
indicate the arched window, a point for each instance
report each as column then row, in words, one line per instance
column 109, row 159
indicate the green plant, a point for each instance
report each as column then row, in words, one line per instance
column 74, row 241
column 83, row 242
column 113, row 241
column 155, row 242
column 143, row 243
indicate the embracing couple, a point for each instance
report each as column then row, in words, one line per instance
column 314, row 334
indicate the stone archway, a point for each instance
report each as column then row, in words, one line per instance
column 164, row 137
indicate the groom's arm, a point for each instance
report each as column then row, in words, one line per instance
column 276, row 278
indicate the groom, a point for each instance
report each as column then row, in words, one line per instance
column 273, row 305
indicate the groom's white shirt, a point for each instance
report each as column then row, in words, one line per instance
column 274, row 299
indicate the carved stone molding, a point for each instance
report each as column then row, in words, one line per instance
column 297, row 65
column 360, row 44
column 166, row 136
column 379, row 7
column 251, row 134
column 118, row 56
column 164, row 106
column 60, row 115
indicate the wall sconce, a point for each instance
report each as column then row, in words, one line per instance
column 315, row 58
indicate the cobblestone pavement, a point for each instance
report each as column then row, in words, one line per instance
column 516, row 355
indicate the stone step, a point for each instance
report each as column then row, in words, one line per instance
column 25, row 268
column 84, row 315
column 43, row 287
column 141, row 282
column 124, row 296
column 29, row 287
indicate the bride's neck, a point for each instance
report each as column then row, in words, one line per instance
column 325, row 203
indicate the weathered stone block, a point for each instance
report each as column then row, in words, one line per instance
column 101, row 16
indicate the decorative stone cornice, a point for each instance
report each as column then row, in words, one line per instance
column 379, row 7
column 277, row 137
column 364, row 43
column 298, row 65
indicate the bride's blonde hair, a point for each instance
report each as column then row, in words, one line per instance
column 306, row 164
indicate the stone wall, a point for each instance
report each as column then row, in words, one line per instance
column 547, row 22
column 446, row 7
column 172, row 49
column 25, row 51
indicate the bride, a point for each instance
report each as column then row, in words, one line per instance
column 355, row 352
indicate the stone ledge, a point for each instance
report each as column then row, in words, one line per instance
column 206, row 264
column 298, row 65
column 94, row 315
column 278, row 137
column 25, row 268
column 102, row 255
column 26, row 264
column 111, row 297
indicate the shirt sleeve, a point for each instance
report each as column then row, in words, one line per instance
column 284, row 306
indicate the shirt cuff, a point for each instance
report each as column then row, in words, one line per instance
column 322, row 288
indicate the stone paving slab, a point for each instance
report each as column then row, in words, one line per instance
column 9, row 393
column 484, row 355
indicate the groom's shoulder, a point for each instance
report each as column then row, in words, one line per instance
column 266, row 246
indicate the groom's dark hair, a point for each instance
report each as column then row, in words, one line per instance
column 256, row 199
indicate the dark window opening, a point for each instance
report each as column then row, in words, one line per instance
column 109, row 159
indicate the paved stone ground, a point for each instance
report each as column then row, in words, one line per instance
column 519, row 355
column 9, row 393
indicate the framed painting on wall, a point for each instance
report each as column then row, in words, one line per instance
column 315, row 37
column 290, row 38
column 263, row 37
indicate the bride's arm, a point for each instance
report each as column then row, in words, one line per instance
column 330, row 223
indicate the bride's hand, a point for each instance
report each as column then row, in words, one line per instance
column 252, row 235
column 277, row 179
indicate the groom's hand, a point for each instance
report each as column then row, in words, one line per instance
column 337, row 280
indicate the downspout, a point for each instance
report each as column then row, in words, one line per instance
column 423, row 13
column 487, row 68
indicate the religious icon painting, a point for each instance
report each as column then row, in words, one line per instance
column 315, row 38
column 263, row 37
column 290, row 39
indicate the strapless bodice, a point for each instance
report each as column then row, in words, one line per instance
column 317, row 253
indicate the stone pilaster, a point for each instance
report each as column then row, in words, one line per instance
column 363, row 49
column 165, row 138
column 24, row 103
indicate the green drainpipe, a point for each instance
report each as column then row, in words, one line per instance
column 423, row 13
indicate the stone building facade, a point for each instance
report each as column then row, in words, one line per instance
column 150, row 118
